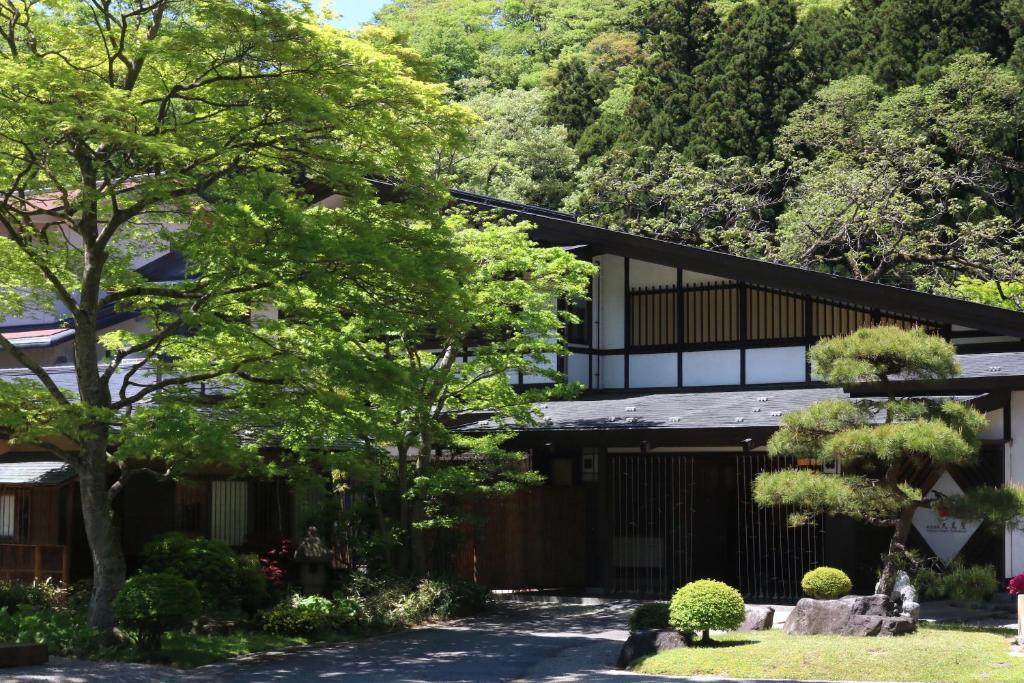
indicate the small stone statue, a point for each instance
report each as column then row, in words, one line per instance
column 312, row 549
column 312, row 557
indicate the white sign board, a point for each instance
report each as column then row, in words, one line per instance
column 945, row 535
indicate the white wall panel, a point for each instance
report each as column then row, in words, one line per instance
column 612, row 372
column 652, row 370
column 706, row 368
column 610, row 303
column 782, row 364
column 994, row 428
column 644, row 274
column 550, row 363
column 578, row 368
column 1015, row 473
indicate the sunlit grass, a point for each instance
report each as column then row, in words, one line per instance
column 932, row 655
column 188, row 649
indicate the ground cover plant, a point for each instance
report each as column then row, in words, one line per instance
column 165, row 618
column 933, row 654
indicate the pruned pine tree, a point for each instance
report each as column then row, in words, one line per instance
column 875, row 441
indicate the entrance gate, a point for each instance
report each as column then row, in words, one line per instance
column 679, row 517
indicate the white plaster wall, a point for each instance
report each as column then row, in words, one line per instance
column 610, row 302
column 782, row 364
column 578, row 368
column 1015, row 473
column 652, row 370
column 644, row 274
column 958, row 341
column 705, row 368
column 612, row 372
column 550, row 363
column 994, row 428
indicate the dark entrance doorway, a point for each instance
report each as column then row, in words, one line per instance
column 673, row 519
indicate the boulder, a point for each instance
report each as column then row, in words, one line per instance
column 650, row 642
column 758, row 618
column 854, row 615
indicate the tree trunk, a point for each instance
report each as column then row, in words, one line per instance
column 104, row 533
column 896, row 553
column 416, row 539
column 403, row 564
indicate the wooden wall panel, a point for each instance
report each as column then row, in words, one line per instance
column 531, row 539
column 45, row 523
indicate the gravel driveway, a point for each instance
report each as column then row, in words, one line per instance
column 517, row 642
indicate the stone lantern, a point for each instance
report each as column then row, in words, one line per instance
column 312, row 557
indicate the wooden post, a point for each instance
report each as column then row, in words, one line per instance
column 65, row 565
column 38, row 569
column 1020, row 619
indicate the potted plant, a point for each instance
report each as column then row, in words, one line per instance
column 1016, row 587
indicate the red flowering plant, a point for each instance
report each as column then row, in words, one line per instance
column 1016, row 585
column 276, row 562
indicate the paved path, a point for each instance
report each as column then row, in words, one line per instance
column 517, row 642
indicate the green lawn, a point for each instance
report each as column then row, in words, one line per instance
column 932, row 655
column 187, row 649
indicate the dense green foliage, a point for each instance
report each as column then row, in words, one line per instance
column 873, row 138
column 706, row 605
column 220, row 119
column 367, row 605
column 152, row 604
column 225, row 580
column 826, row 583
column 648, row 616
column 44, row 612
column 970, row 583
column 873, row 442
column 309, row 615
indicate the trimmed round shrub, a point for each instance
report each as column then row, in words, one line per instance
column 651, row 615
column 826, row 583
column 152, row 604
column 226, row 581
column 705, row 605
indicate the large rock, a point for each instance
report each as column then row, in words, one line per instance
column 651, row 642
column 758, row 618
column 854, row 615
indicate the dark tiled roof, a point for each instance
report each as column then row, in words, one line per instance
column 65, row 378
column 698, row 410
column 1002, row 364
column 29, row 469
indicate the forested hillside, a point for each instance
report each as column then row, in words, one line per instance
column 877, row 139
